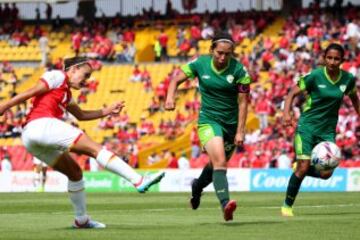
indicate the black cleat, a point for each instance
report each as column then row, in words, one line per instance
column 195, row 195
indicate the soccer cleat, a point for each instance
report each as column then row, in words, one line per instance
column 89, row 224
column 287, row 211
column 195, row 195
column 229, row 210
column 147, row 183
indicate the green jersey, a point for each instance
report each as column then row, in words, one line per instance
column 219, row 89
column 321, row 110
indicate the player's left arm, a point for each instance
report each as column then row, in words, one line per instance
column 355, row 101
column 243, row 85
column 243, row 110
column 85, row 115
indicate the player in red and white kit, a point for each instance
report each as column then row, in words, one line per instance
column 50, row 139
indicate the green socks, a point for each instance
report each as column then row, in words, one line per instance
column 221, row 186
column 205, row 178
column 292, row 189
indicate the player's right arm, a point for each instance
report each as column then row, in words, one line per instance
column 38, row 89
column 171, row 93
column 304, row 85
column 287, row 117
column 187, row 71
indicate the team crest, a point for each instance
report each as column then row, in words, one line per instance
column 230, row 78
column 342, row 88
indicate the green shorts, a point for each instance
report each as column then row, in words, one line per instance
column 209, row 130
column 305, row 141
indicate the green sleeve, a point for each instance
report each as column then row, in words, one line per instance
column 243, row 76
column 352, row 87
column 305, row 82
column 190, row 68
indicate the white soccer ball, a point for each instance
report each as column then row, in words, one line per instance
column 326, row 156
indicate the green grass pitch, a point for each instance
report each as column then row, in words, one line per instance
column 168, row 216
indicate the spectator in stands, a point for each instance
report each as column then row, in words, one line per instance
column 13, row 81
column 180, row 36
column 153, row 158
column 37, row 15
column 50, row 139
column 128, row 53
column 56, row 24
column 129, row 35
column 184, row 50
column 43, row 45
column 195, row 36
column 263, row 109
column 183, row 162
column 6, row 67
column 302, row 40
column 157, row 51
column 48, row 12
column 283, row 161
column 163, row 40
column 76, row 42
column 6, row 165
column 220, row 129
column 207, row 32
column 173, row 161
column 353, row 33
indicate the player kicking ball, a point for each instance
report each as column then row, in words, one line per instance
column 50, row 139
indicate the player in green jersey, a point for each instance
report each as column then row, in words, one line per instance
column 325, row 88
column 224, row 87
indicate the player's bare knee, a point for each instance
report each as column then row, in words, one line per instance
column 219, row 164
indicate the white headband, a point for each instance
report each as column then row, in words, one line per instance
column 80, row 63
column 223, row 40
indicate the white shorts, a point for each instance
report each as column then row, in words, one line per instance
column 48, row 138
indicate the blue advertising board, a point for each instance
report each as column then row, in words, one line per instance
column 275, row 180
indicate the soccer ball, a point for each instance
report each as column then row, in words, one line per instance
column 325, row 156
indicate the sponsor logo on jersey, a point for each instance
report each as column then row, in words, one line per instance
column 322, row 86
column 342, row 88
column 230, row 78
column 205, row 77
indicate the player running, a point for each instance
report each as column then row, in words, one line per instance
column 50, row 139
column 325, row 88
column 224, row 87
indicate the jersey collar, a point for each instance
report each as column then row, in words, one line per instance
column 222, row 70
column 329, row 79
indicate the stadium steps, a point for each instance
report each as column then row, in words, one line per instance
column 179, row 145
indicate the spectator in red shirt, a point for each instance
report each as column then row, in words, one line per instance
column 195, row 36
column 173, row 161
column 163, row 40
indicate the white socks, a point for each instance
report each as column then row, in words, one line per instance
column 77, row 197
column 116, row 165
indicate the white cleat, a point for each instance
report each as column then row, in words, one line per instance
column 89, row 224
column 147, row 182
